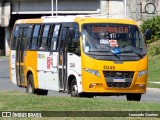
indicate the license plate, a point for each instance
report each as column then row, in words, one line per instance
column 119, row 80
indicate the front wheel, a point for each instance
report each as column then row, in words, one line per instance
column 133, row 97
column 74, row 88
column 74, row 91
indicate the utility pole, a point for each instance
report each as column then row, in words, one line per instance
column 56, row 8
column 52, row 7
column 125, row 8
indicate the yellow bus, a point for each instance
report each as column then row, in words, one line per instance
column 84, row 56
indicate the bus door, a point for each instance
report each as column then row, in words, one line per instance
column 59, row 60
column 65, row 37
column 63, row 59
column 20, row 53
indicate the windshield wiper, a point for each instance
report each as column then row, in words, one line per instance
column 134, row 51
column 104, row 51
column 99, row 51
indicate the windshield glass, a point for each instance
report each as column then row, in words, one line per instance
column 110, row 39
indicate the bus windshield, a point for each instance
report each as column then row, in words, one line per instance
column 109, row 39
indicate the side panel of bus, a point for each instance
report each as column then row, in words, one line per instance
column 47, row 73
column 50, row 67
column 42, row 57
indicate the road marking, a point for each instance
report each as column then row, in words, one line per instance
column 154, row 82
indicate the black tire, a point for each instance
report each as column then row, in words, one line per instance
column 74, row 91
column 30, row 86
column 74, row 88
column 87, row 95
column 41, row 92
column 133, row 97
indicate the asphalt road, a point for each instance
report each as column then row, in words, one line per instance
column 152, row 95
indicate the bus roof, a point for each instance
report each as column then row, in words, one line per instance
column 77, row 18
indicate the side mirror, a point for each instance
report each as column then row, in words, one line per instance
column 148, row 34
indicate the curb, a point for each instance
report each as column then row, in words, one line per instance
column 153, row 90
column 4, row 58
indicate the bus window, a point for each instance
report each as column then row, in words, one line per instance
column 74, row 42
column 14, row 38
column 30, row 27
column 43, row 41
column 54, row 37
column 74, row 46
column 34, row 37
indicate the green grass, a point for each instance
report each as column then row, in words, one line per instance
column 154, row 66
column 3, row 56
column 86, row 118
column 16, row 101
column 153, row 85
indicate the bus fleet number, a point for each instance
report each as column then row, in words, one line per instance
column 109, row 67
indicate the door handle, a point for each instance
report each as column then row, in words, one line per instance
column 70, row 53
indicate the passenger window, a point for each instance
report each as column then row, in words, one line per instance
column 74, row 46
column 14, row 38
column 74, row 43
column 55, row 37
column 43, row 42
column 29, row 34
column 36, row 30
column 24, row 37
column 34, row 37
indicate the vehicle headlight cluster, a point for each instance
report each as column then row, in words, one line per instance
column 94, row 72
column 141, row 73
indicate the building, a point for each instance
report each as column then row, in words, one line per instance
column 11, row 10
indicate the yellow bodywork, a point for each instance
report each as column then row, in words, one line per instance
column 138, row 84
column 31, row 65
column 136, row 66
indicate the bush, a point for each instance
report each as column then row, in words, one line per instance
column 154, row 25
column 154, row 48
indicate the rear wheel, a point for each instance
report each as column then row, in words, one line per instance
column 134, row 97
column 30, row 87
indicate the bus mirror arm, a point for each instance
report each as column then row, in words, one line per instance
column 147, row 35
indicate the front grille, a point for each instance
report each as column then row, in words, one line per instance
column 112, row 76
column 119, row 84
column 116, row 74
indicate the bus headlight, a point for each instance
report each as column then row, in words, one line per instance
column 94, row 72
column 141, row 73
